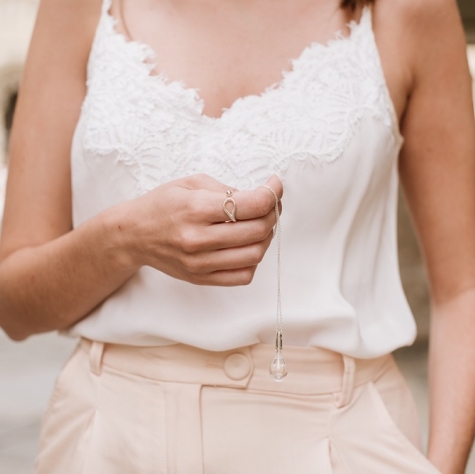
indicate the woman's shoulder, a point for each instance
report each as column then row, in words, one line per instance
column 417, row 19
column 69, row 23
column 413, row 9
column 79, row 9
column 418, row 34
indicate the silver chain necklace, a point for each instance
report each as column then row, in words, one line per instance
column 278, row 367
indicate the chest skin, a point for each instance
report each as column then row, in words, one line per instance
column 233, row 49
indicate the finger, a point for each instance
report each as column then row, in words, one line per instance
column 276, row 184
column 228, row 259
column 205, row 238
column 229, row 235
column 238, row 277
column 259, row 202
column 246, row 204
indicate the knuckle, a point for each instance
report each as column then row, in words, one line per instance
column 197, row 205
column 192, row 266
column 194, row 280
column 185, row 276
column 262, row 252
column 190, row 241
column 198, row 178
column 247, row 275
column 262, row 230
column 189, row 181
column 257, row 254
column 260, row 205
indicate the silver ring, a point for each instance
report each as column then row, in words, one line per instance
column 231, row 214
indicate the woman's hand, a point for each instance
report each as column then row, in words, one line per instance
column 179, row 228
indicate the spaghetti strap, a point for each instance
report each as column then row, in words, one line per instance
column 106, row 6
column 366, row 19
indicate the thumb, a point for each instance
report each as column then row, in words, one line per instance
column 275, row 183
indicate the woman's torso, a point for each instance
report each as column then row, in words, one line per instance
column 328, row 128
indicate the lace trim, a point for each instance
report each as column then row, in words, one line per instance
column 158, row 128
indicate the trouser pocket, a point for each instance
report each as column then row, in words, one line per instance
column 366, row 440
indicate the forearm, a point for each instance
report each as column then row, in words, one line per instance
column 53, row 285
column 173, row 229
column 452, row 382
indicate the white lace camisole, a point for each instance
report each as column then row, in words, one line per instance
column 328, row 129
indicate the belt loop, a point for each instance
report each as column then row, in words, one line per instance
column 95, row 356
column 348, row 381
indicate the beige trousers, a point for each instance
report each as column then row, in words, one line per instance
column 181, row 410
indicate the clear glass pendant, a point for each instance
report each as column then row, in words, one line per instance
column 278, row 367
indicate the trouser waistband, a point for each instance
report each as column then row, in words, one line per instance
column 312, row 370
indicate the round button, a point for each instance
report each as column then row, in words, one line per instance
column 237, row 366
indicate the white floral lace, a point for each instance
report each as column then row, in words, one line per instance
column 158, row 128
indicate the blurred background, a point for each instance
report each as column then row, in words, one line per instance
column 28, row 369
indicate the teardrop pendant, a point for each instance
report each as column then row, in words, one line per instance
column 278, row 367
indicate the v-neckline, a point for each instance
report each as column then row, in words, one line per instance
column 199, row 103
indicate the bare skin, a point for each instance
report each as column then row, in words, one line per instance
column 52, row 276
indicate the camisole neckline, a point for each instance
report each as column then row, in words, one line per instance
column 149, row 63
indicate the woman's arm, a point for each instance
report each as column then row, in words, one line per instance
column 437, row 167
column 38, row 204
column 52, row 276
